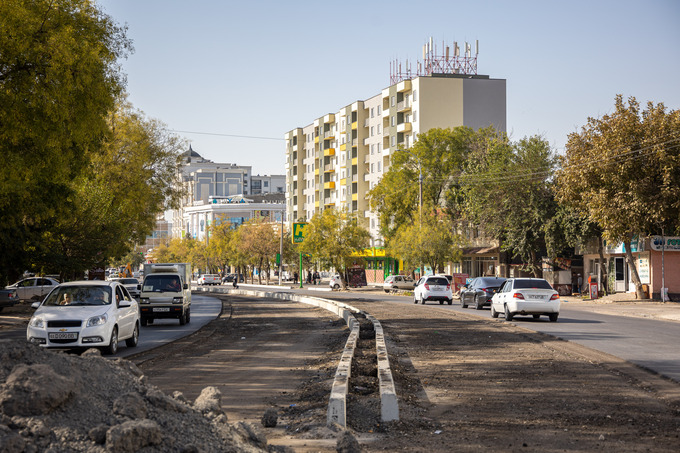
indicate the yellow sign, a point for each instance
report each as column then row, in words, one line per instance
column 371, row 252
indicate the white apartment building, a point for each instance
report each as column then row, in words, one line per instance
column 210, row 191
column 337, row 158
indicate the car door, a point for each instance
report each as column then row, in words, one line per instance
column 469, row 289
column 125, row 315
column 44, row 286
column 26, row 289
column 498, row 300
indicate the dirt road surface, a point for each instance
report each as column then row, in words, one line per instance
column 464, row 383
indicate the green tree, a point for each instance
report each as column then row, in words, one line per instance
column 260, row 243
column 508, row 191
column 438, row 155
column 331, row 238
column 59, row 78
column 428, row 241
column 623, row 171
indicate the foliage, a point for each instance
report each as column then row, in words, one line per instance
column 260, row 243
column 331, row 238
column 59, row 78
column 430, row 241
column 623, row 172
column 508, row 192
column 439, row 154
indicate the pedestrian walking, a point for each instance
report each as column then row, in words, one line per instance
column 295, row 277
column 579, row 282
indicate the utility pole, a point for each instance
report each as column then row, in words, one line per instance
column 283, row 212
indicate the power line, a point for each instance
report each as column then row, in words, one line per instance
column 227, row 135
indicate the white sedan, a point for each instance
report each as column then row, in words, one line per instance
column 33, row 288
column 86, row 314
column 526, row 296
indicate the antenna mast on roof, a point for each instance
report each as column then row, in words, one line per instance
column 434, row 62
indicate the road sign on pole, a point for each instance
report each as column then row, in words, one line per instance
column 299, row 230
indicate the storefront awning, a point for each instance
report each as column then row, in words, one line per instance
column 479, row 250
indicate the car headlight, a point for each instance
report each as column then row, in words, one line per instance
column 97, row 320
column 177, row 300
column 37, row 321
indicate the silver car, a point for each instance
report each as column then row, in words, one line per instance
column 399, row 282
column 33, row 288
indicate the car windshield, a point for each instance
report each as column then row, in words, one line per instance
column 129, row 281
column 162, row 283
column 437, row 281
column 79, row 295
column 532, row 284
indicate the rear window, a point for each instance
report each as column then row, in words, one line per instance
column 538, row 283
column 437, row 281
column 490, row 282
column 129, row 281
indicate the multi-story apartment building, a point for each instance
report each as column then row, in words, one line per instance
column 335, row 160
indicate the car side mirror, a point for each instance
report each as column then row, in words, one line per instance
column 124, row 304
column 35, row 304
column 186, row 286
column 139, row 287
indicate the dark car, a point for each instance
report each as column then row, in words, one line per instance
column 8, row 298
column 480, row 291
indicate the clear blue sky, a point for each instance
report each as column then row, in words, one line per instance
column 262, row 68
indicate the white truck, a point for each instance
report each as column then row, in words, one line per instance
column 165, row 292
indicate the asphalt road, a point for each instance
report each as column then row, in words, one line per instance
column 649, row 343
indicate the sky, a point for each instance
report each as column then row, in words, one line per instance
column 233, row 77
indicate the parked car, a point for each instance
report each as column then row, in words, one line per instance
column 526, row 296
column 132, row 285
column 33, row 288
column 396, row 282
column 85, row 314
column 209, row 279
column 229, row 278
column 479, row 291
column 8, row 298
column 335, row 282
column 433, row 287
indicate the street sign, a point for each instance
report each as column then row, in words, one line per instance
column 299, row 232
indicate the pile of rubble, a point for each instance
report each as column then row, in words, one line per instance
column 63, row 402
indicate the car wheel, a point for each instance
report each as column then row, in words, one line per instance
column 508, row 315
column 441, row 302
column 183, row 318
column 112, row 348
column 143, row 321
column 553, row 317
column 462, row 302
column 188, row 315
column 450, row 301
column 536, row 316
column 422, row 300
column 134, row 339
column 387, row 291
column 336, row 286
column 478, row 306
column 494, row 313
column 415, row 299
column 150, row 320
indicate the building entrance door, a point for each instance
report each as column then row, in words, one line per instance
column 620, row 274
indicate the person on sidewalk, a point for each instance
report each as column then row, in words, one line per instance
column 579, row 282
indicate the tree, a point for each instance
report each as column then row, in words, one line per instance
column 260, row 242
column 332, row 236
column 439, row 155
column 430, row 241
column 623, row 171
column 59, row 78
column 508, row 192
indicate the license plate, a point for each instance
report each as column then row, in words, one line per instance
column 534, row 296
column 161, row 309
column 63, row 336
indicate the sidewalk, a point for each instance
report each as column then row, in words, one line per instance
column 625, row 304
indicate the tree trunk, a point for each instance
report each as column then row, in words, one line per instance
column 604, row 266
column 259, row 272
column 639, row 294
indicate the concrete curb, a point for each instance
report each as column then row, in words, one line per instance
column 337, row 405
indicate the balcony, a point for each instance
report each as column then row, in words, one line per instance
column 329, row 168
column 316, row 204
column 404, row 85
column 355, row 177
column 329, row 135
column 329, row 185
column 355, row 125
column 355, row 197
column 316, row 139
column 343, row 147
column 404, row 127
column 366, row 122
column 404, row 105
column 355, row 161
column 330, row 118
column 343, row 182
column 355, row 141
column 328, row 201
column 316, row 172
column 329, row 152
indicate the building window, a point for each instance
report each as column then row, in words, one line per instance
column 372, row 130
column 415, row 116
column 393, row 121
column 393, row 100
column 415, row 95
column 379, row 147
column 372, row 168
column 379, row 170
column 372, row 111
column 378, row 128
column 379, row 110
column 393, row 140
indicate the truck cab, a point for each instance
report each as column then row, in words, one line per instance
column 165, row 292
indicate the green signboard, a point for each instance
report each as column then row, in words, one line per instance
column 299, row 232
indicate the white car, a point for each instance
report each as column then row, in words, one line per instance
column 85, row 314
column 33, row 288
column 526, row 296
column 433, row 287
column 209, row 279
column 335, row 282
column 132, row 285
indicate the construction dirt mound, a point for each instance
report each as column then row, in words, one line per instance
column 54, row 402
